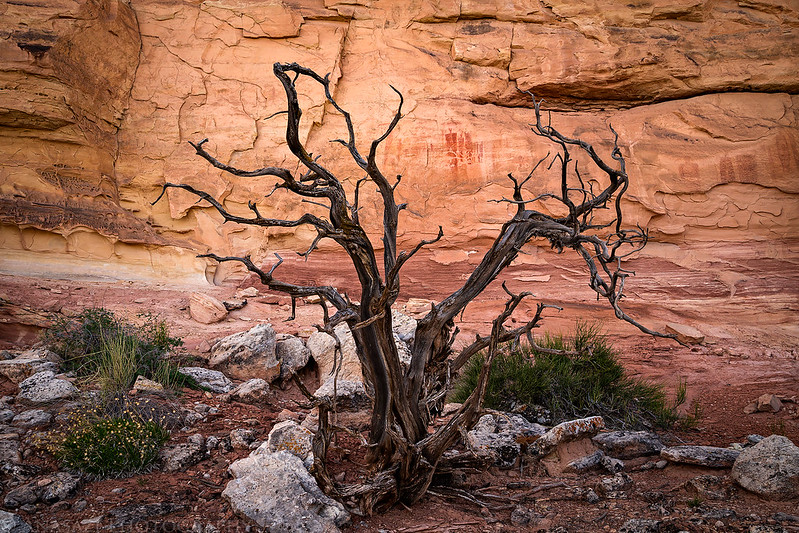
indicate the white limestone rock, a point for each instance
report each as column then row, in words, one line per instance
column 213, row 380
column 249, row 354
column 276, row 491
column 770, row 468
column 44, row 387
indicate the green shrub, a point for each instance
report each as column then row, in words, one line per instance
column 99, row 345
column 591, row 382
column 109, row 438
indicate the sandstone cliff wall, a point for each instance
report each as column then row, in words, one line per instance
column 99, row 98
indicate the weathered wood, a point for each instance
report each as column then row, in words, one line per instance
column 404, row 456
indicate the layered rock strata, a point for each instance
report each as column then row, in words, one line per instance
column 99, row 99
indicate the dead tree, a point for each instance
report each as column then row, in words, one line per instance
column 402, row 452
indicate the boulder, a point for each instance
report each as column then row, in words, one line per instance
column 709, row 456
column 586, row 463
column 403, row 350
column 404, row 326
column 44, row 387
column 769, row 403
column 61, row 486
column 247, row 292
column 770, row 468
column 25, row 494
column 628, row 444
column 612, row 465
column 34, row 418
column 11, row 523
column 418, row 307
column 251, row 391
column 6, row 416
column 591, row 496
column 234, row 304
column 9, row 449
column 213, row 380
column 249, row 354
column 276, row 492
column 42, row 353
column 613, row 487
column 750, row 408
column 242, row 438
column 500, row 437
column 21, row 368
column 291, row 437
column 323, row 350
column 206, row 309
column 350, row 394
column 181, row 456
column 568, row 431
column 292, row 354
column 450, row 409
column 686, row 334
column 50, row 489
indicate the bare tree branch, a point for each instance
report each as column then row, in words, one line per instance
column 403, row 453
column 326, row 292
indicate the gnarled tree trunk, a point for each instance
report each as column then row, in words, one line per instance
column 403, row 454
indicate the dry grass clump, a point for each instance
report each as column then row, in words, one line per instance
column 114, row 434
column 103, row 348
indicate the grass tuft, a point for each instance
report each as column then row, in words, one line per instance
column 98, row 345
column 592, row 382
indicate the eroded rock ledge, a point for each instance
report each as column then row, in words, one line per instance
column 98, row 100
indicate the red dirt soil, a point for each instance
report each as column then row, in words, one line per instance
column 751, row 349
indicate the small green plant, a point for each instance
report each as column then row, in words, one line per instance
column 98, row 345
column 695, row 503
column 584, row 379
column 777, row 427
column 691, row 419
column 102, row 440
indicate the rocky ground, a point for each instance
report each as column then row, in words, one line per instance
column 725, row 374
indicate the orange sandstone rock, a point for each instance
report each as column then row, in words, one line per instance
column 100, row 98
column 206, row 309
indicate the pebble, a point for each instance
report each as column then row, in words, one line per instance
column 60, row 506
column 79, row 505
